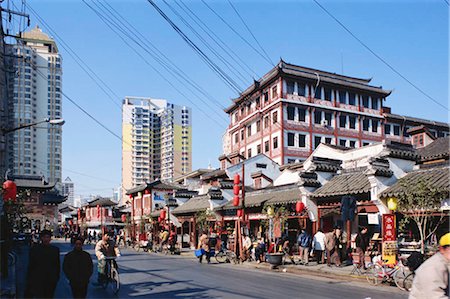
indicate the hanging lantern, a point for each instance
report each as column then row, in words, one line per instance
column 9, row 190
column 236, row 200
column 79, row 213
column 131, row 196
column 270, row 212
column 146, row 191
column 236, row 189
column 159, row 219
column 162, row 214
column 392, row 203
column 70, row 222
column 123, row 218
column 237, row 179
column 240, row 212
column 299, row 207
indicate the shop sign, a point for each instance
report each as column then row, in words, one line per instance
column 389, row 247
column 257, row 216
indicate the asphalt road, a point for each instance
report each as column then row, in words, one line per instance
column 157, row 276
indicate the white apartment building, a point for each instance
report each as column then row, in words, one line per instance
column 68, row 189
column 35, row 85
column 157, row 141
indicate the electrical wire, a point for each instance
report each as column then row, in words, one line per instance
column 379, row 57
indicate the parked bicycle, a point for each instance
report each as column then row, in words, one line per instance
column 112, row 275
column 226, row 256
column 381, row 272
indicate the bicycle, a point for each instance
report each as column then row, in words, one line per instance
column 226, row 256
column 380, row 272
column 408, row 281
column 112, row 275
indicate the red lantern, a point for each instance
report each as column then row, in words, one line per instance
column 70, row 222
column 236, row 200
column 98, row 211
column 237, row 179
column 159, row 219
column 9, row 191
column 123, row 217
column 147, row 191
column 131, row 196
column 162, row 214
column 240, row 213
column 79, row 213
column 299, row 207
column 236, row 189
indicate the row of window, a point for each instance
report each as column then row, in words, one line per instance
column 266, row 147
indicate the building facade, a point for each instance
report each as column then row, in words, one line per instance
column 157, row 141
column 292, row 109
column 35, row 89
column 68, row 189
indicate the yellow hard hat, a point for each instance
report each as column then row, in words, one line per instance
column 445, row 240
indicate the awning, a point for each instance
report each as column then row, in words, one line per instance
column 344, row 184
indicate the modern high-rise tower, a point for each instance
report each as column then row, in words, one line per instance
column 157, row 141
column 35, row 84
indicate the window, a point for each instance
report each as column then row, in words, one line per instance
column 352, row 143
column 266, row 146
column 365, row 101
column 290, row 87
column 290, row 139
column 317, row 140
column 328, row 117
column 366, row 143
column 387, row 129
column 318, row 93
column 405, row 132
column 342, row 142
column 317, row 117
column 290, row 112
column 249, row 153
column 242, row 134
column 274, row 92
column 301, row 140
column 352, row 122
column 249, row 131
column 236, row 138
column 328, row 140
column 236, row 117
column 301, row 89
column 275, row 142
column 266, row 121
column 328, row 94
column 366, row 124
column 375, row 102
column 351, row 98
column 258, row 125
column 258, row 149
column 342, row 97
column 342, row 121
column 301, row 114
column 266, row 97
column 374, row 125
column 275, row 117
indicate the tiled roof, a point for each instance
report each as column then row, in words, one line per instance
column 401, row 150
column 309, row 179
column 292, row 166
column 101, row 201
column 214, row 174
column 438, row 149
column 184, row 193
column 53, row 198
column 325, row 164
column 31, row 182
column 419, row 121
column 437, row 177
column 195, row 204
column 344, row 184
column 153, row 185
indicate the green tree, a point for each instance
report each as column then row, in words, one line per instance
column 420, row 204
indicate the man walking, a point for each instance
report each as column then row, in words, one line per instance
column 331, row 246
column 43, row 268
column 304, row 242
column 77, row 266
column 362, row 242
column 319, row 246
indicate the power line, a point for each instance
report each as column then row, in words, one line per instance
column 238, row 34
column 379, row 57
column 251, row 33
column 229, row 81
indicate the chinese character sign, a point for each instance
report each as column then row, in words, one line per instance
column 389, row 248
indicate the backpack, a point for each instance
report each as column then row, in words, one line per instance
column 414, row 261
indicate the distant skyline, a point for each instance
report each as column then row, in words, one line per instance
column 411, row 36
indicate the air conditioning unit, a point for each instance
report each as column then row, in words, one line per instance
column 323, row 123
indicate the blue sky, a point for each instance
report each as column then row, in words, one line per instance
column 411, row 35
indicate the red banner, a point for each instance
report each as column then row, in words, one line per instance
column 389, row 230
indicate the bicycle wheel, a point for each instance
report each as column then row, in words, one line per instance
column 221, row 257
column 115, row 282
column 408, row 281
column 373, row 274
column 137, row 247
column 399, row 277
column 233, row 257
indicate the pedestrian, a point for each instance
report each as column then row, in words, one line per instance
column 362, row 242
column 203, row 244
column 224, row 239
column 106, row 247
column 331, row 246
column 94, row 235
column 319, row 246
column 304, row 243
column 260, row 250
column 247, row 246
column 43, row 268
column 77, row 267
column 432, row 277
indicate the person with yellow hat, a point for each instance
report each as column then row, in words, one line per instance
column 432, row 277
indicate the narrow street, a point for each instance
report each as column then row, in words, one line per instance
column 159, row 276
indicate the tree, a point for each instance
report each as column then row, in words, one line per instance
column 420, row 203
column 202, row 220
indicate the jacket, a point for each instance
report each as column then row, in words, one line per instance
column 106, row 249
column 77, row 266
column 319, row 241
column 304, row 240
column 203, row 242
column 362, row 241
column 43, row 268
column 431, row 280
column 330, row 241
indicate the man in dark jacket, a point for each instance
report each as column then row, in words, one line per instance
column 43, row 269
column 78, row 268
column 304, row 243
column 362, row 242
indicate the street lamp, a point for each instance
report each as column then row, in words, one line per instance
column 55, row 122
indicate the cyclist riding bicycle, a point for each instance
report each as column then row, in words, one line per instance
column 106, row 247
